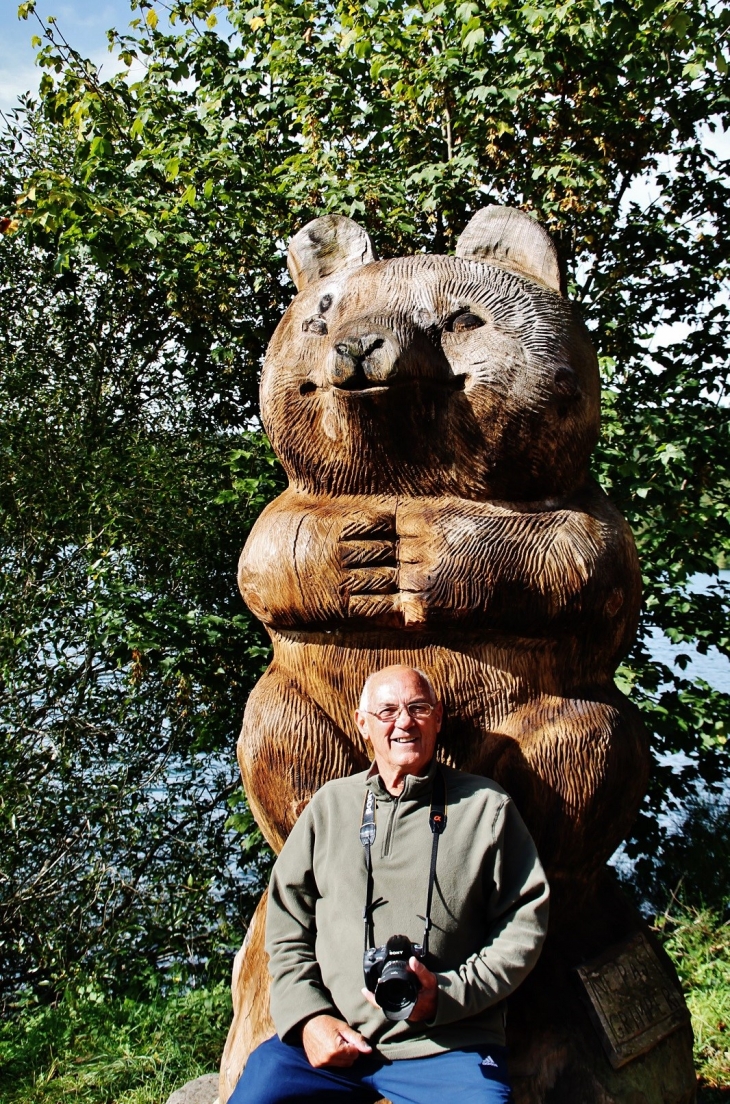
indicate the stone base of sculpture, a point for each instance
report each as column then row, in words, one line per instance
column 201, row 1090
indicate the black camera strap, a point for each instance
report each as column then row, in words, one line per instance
column 367, row 839
column 437, row 823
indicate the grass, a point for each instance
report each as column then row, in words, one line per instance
column 699, row 943
column 123, row 1051
column 119, row 1051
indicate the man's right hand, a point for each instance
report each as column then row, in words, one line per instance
column 328, row 1041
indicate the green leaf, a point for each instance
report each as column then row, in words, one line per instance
column 473, row 39
column 466, row 11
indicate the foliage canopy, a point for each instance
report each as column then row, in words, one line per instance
column 145, row 219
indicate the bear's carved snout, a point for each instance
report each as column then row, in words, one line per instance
column 370, row 357
column 361, row 361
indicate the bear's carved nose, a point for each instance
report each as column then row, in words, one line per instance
column 359, row 347
column 363, row 360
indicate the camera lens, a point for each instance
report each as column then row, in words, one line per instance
column 397, row 991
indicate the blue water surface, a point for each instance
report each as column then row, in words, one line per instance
column 714, row 667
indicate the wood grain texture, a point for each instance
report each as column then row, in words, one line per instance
column 325, row 245
column 435, row 417
column 504, row 236
column 250, row 992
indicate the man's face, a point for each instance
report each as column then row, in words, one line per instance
column 406, row 744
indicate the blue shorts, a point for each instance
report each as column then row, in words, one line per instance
column 277, row 1073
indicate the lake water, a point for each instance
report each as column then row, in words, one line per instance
column 714, row 667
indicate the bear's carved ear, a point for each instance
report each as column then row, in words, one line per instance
column 326, row 245
column 511, row 239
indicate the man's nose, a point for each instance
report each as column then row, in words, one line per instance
column 406, row 722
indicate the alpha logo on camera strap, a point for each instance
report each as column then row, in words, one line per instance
column 437, row 823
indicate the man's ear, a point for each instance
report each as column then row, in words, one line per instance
column 326, row 245
column 511, row 239
column 361, row 722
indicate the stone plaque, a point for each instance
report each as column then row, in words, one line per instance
column 632, row 1001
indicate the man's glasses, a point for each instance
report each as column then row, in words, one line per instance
column 419, row 711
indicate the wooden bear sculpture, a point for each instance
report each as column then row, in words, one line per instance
column 435, row 417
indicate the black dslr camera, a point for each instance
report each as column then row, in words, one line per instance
column 388, row 977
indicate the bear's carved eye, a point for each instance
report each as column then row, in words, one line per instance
column 466, row 320
column 315, row 325
column 566, row 382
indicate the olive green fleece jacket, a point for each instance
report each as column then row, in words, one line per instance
column 489, row 912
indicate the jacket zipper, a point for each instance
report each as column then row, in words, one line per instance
column 385, row 853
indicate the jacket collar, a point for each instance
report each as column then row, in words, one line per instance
column 413, row 786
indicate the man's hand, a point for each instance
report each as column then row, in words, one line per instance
column 328, row 1041
column 428, row 994
column 425, row 1006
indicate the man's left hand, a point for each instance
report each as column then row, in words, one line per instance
column 425, row 1006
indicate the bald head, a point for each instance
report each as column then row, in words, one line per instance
column 385, row 674
column 403, row 739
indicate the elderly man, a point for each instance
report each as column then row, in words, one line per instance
column 419, row 845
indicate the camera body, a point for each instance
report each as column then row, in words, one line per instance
column 388, row 977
